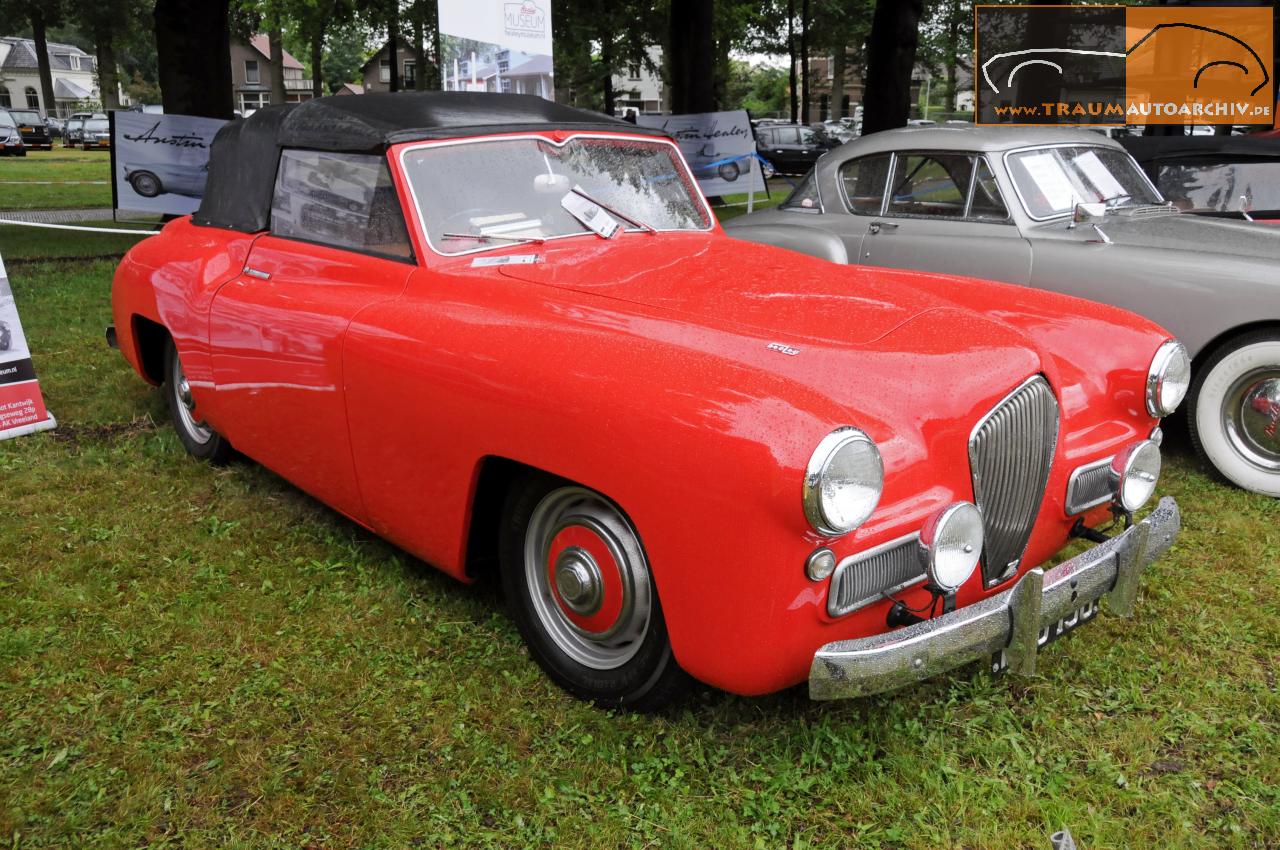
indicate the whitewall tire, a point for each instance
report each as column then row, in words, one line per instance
column 1235, row 412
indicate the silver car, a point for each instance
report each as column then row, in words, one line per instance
column 1069, row 211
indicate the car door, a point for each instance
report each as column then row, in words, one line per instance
column 944, row 212
column 337, row 245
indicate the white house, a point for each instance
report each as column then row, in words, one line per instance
column 75, row 78
column 639, row 89
column 501, row 69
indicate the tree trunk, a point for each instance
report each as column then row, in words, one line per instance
column 953, row 51
column 317, row 62
column 275, row 41
column 419, row 49
column 837, row 82
column 692, row 34
column 42, row 61
column 606, row 72
column 108, row 82
column 193, row 56
column 791, row 58
column 891, row 54
column 393, row 44
column 804, row 61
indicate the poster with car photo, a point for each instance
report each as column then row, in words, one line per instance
column 22, row 408
column 719, row 147
column 496, row 46
column 160, row 162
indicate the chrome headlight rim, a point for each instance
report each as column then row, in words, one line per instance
column 1170, row 354
column 1142, row 459
column 935, row 528
column 815, row 472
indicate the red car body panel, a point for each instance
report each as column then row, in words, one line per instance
column 639, row 367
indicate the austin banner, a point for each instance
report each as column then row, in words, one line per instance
column 21, row 405
column 496, row 45
column 159, row 163
column 719, row 147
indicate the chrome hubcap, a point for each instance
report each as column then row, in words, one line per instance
column 195, row 428
column 1251, row 418
column 587, row 578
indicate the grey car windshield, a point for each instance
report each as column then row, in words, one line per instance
column 97, row 125
column 485, row 194
column 5, row 120
column 1051, row 181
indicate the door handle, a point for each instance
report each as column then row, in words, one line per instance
column 876, row 225
column 260, row 275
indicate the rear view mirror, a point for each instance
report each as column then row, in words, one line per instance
column 551, row 184
column 1089, row 212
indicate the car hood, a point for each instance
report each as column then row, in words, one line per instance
column 1175, row 232
column 735, row 284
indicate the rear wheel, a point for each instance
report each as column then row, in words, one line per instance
column 1235, row 412
column 197, row 437
column 145, row 184
column 580, row 590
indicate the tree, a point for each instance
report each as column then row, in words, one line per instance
column 42, row 15
column 193, row 49
column 691, row 56
column 309, row 26
column 106, row 22
column 891, row 55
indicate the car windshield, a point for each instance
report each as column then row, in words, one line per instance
column 485, row 194
column 26, row 117
column 1051, row 181
column 6, row 120
column 96, row 125
column 1222, row 187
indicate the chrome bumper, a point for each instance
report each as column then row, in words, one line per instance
column 1016, row 621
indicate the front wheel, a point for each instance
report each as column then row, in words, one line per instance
column 1235, row 412
column 196, row 436
column 729, row 171
column 578, row 583
column 145, row 184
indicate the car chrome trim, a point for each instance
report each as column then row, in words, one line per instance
column 1004, row 161
column 1013, row 621
column 506, row 137
column 1008, row 485
column 1090, row 485
column 811, row 489
column 894, row 558
column 1156, row 374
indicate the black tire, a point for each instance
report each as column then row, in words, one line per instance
column 197, row 438
column 638, row 675
column 1240, row 383
column 145, row 184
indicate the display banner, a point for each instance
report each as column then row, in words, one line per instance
column 497, row 46
column 159, row 163
column 719, row 147
column 21, row 405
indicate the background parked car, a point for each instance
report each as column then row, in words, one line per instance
column 95, row 133
column 56, row 126
column 71, row 131
column 35, row 135
column 10, row 139
column 1005, row 204
column 791, row 148
column 1222, row 176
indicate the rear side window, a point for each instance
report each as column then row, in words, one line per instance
column 930, row 185
column 804, row 197
column 863, row 181
column 987, row 203
column 339, row 199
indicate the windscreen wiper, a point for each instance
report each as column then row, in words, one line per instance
column 577, row 190
column 489, row 237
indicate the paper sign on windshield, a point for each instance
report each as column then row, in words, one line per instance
column 22, row 408
column 590, row 215
column 1046, row 173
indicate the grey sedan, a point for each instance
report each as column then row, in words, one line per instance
column 1069, row 211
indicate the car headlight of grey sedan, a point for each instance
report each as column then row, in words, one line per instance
column 1168, row 379
column 843, row 482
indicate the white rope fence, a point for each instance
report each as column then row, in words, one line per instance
column 78, row 227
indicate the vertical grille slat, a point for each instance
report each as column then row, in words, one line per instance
column 1010, row 453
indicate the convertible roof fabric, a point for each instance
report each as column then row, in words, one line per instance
column 246, row 153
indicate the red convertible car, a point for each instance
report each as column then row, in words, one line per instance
column 500, row 331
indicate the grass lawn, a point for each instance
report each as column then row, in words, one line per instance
column 19, row 243
column 205, row 657
column 57, row 179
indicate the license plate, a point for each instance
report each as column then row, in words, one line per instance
column 1051, row 632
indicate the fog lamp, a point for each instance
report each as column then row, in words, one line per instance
column 821, row 564
column 1134, row 473
column 951, row 545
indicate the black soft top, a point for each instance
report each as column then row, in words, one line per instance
column 1176, row 150
column 246, row 153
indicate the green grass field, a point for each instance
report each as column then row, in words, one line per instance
column 59, row 179
column 204, row 657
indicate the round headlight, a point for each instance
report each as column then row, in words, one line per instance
column 843, row 481
column 951, row 544
column 1168, row 379
column 1134, row 473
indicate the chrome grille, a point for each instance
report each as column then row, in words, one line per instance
column 863, row 578
column 1090, row 486
column 1010, row 453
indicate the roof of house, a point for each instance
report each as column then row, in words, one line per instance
column 67, row 90
column 349, row 88
column 246, row 154
column 22, row 55
column 404, row 48
column 262, row 44
column 536, row 66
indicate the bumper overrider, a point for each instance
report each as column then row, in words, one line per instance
column 1008, row 628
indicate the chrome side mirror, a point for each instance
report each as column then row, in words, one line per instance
column 1089, row 212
